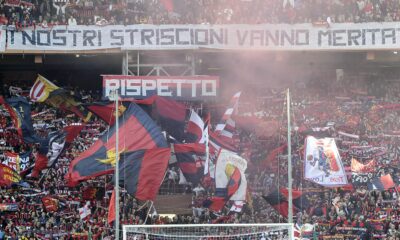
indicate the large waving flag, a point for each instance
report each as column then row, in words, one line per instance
column 137, row 131
column 45, row 91
column 49, row 152
column 323, row 164
column 191, row 159
column 169, row 114
column 141, row 172
column 23, row 113
column 230, row 180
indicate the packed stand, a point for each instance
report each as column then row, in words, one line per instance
column 19, row 14
column 363, row 110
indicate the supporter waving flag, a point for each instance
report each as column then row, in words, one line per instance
column 137, row 131
column 45, row 91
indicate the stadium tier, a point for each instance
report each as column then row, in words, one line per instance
column 221, row 119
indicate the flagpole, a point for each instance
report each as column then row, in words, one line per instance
column 116, row 169
column 289, row 144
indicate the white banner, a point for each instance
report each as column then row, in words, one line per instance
column 3, row 39
column 221, row 179
column 338, row 36
column 322, row 163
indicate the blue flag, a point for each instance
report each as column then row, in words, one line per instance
column 23, row 110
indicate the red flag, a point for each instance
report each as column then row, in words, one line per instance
column 270, row 161
column 216, row 204
column 387, row 181
column 40, row 164
column 382, row 183
column 106, row 110
column 278, row 200
column 8, row 176
column 358, row 167
column 50, row 204
column 73, row 131
column 89, row 193
column 13, row 114
column 137, row 170
column 111, row 209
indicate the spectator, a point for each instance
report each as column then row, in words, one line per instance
column 72, row 21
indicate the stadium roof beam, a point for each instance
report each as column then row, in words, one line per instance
column 186, row 67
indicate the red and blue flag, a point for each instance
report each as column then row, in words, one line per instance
column 190, row 158
column 170, row 114
column 137, row 131
column 141, row 172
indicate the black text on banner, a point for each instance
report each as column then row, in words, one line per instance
column 339, row 36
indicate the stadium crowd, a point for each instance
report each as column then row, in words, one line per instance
column 47, row 13
column 365, row 112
